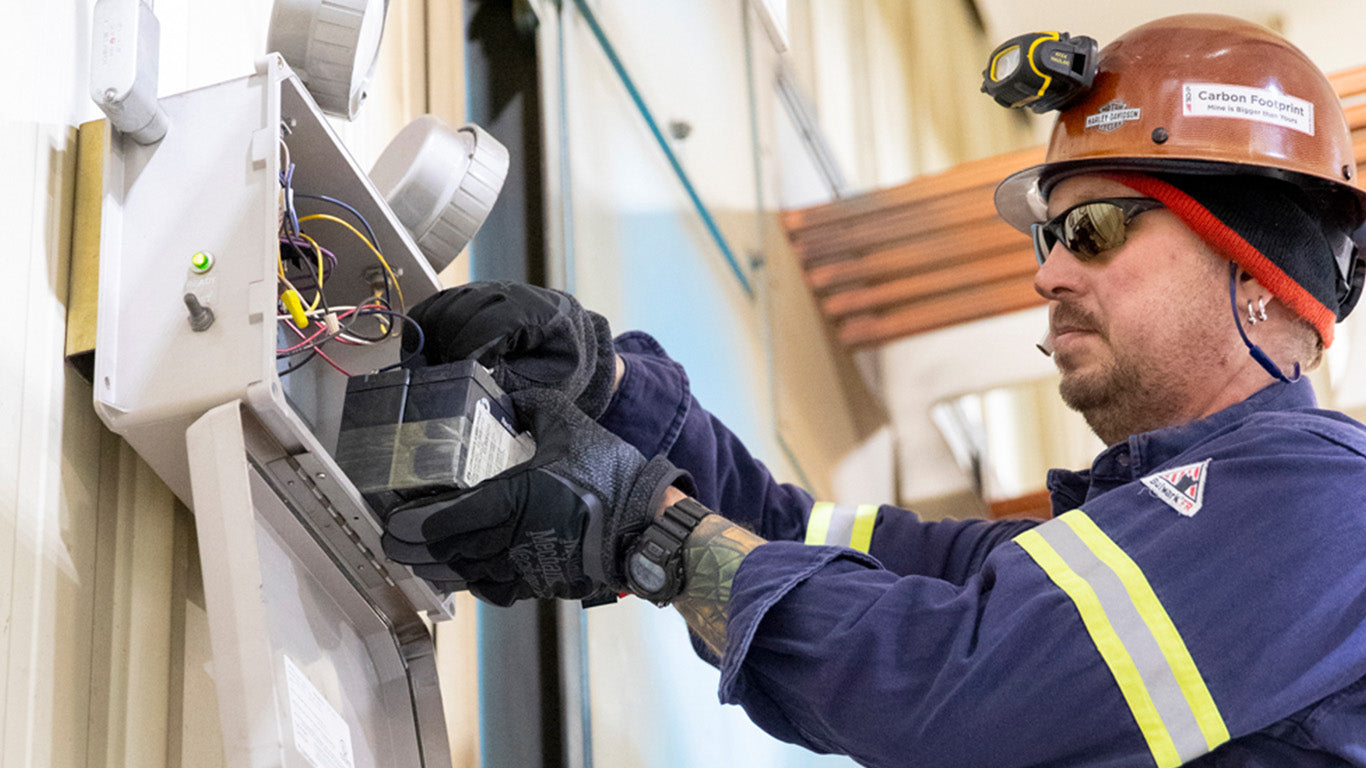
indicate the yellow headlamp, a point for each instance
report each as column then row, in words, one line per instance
column 1040, row 70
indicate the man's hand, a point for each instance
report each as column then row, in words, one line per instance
column 529, row 336
column 558, row 525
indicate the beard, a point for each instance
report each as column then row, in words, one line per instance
column 1117, row 399
column 1128, row 392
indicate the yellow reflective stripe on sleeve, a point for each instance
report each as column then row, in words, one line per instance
column 1174, row 649
column 861, row 538
column 840, row 525
column 818, row 524
column 1109, row 645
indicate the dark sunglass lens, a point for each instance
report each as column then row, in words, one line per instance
column 1089, row 229
column 1093, row 228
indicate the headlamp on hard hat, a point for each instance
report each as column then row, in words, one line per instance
column 1040, row 70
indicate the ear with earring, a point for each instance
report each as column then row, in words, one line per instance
column 1256, row 308
column 1256, row 313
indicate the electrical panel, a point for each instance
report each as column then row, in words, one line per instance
column 249, row 203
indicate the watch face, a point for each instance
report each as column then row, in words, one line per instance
column 647, row 575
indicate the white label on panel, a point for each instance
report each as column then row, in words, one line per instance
column 320, row 733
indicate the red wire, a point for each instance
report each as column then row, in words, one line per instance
column 328, row 360
column 310, row 339
column 306, row 340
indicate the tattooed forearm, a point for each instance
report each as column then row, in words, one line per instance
column 711, row 556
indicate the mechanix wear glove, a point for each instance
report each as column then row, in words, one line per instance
column 528, row 336
column 558, row 525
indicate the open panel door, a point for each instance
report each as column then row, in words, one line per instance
column 310, row 671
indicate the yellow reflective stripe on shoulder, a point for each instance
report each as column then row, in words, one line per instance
column 818, row 523
column 1174, row 649
column 1110, row 646
column 1133, row 634
column 841, row 525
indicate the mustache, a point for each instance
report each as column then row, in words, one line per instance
column 1073, row 317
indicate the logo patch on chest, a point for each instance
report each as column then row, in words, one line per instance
column 1182, row 488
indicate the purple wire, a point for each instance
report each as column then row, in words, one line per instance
column 287, row 181
column 329, row 260
column 353, row 211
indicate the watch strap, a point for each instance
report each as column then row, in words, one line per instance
column 655, row 563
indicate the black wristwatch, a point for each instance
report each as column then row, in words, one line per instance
column 654, row 565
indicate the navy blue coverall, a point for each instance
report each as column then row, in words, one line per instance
column 1200, row 595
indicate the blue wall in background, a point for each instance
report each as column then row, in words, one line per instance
column 673, row 284
column 675, row 287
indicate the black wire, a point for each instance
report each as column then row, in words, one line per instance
column 345, row 327
column 312, row 265
column 421, row 342
column 366, row 313
column 312, row 347
column 312, row 353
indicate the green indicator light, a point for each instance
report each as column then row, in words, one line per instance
column 202, row 261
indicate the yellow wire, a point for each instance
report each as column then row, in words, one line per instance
column 383, row 320
column 325, row 217
column 295, row 308
column 318, row 297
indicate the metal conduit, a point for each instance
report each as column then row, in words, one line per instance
column 759, row 222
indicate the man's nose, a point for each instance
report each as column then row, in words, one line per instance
column 1059, row 275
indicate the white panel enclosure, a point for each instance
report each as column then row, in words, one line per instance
column 322, row 655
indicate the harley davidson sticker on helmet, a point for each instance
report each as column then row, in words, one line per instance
column 1239, row 101
column 1111, row 115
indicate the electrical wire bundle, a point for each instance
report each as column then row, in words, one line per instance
column 304, row 268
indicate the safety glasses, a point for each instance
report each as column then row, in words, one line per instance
column 1091, row 228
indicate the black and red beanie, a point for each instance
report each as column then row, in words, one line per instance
column 1268, row 226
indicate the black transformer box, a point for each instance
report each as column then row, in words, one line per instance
column 408, row 434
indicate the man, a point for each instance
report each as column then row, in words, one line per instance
column 1200, row 596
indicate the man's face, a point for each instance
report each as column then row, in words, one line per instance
column 1141, row 334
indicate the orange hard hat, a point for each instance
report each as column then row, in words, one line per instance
column 1200, row 94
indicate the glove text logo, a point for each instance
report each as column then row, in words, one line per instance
column 541, row 560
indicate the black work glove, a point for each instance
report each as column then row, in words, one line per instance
column 558, row 525
column 528, row 336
